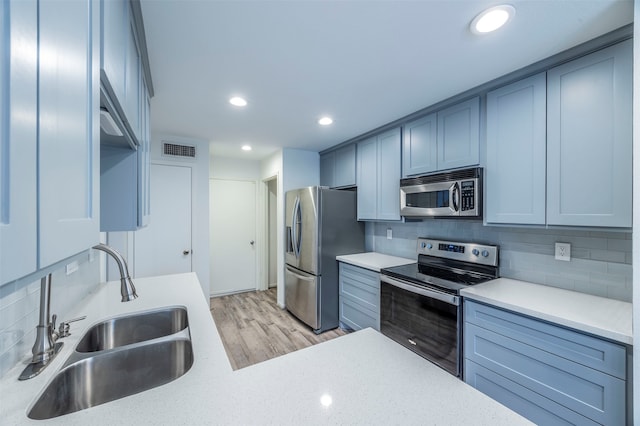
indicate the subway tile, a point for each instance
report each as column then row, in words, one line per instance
column 591, row 288
column 619, row 245
column 608, row 280
column 619, row 294
column 620, row 269
column 608, row 256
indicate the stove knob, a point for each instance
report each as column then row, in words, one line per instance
column 475, row 252
column 429, row 246
column 485, row 253
column 423, row 245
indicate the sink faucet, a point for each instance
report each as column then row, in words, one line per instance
column 45, row 348
column 127, row 289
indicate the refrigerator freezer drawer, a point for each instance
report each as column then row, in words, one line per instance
column 301, row 296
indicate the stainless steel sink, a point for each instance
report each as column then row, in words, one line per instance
column 125, row 330
column 113, row 375
column 117, row 358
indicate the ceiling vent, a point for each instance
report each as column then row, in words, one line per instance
column 175, row 150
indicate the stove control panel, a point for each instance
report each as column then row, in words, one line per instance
column 464, row 251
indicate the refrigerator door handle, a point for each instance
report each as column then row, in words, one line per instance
column 301, row 277
column 296, row 225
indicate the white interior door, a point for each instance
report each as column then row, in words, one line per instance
column 233, row 234
column 164, row 246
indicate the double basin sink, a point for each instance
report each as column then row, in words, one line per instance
column 119, row 357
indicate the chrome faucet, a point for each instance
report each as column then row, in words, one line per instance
column 127, row 289
column 44, row 349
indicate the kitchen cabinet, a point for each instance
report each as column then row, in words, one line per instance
column 420, row 146
column 124, row 167
column 589, row 139
column 359, row 297
column 378, row 171
column 50, row 149
column 18, row 140
column 125, row 181
column 516, row 152
column 545, row 372
column 338, row 168
column 68, row 128
column 121, row 63
column 444, row 140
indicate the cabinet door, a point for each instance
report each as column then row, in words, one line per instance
column 144, row 164
column 459, row 135
column 420, row 146
column 327, row 169
column 367, row 154
column 345, row 166
column 132, row 83
column 516, row 152
column 115, row 30
column 589, row 141
column 388, row 203
column 68, row 125
column 18, row 139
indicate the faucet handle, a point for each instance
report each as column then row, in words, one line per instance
column 65, row 326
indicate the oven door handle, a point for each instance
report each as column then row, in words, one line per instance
column 443, row 297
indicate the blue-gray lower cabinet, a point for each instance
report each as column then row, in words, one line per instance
column 547, row 373
column 359, row 297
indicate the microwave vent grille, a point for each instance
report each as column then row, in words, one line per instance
column 453, row 175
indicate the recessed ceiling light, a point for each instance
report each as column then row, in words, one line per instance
column 492, row 19
column 238, row 101
column 325, row 121
column 246, row 148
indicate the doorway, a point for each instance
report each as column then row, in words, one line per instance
column 233, row 236
column 164, row 246
column 272, row 235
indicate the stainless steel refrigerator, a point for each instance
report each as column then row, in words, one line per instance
column 320, row 225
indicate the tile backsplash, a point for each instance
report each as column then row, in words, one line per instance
column 20, row 304
column 600, row 261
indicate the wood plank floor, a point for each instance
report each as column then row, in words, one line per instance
column 253, row 328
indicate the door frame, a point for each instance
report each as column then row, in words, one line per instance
column 263, row 279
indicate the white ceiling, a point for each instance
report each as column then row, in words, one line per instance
column 365, row 63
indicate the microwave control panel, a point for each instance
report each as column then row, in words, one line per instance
column 467, row 191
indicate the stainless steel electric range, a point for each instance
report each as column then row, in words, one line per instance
column 420, row 303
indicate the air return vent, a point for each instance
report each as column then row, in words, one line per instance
column 176, row 150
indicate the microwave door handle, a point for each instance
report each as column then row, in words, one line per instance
column 455, row 197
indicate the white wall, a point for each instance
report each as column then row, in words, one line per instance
column 301, row 168
column 636, row 212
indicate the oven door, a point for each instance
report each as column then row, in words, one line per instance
column 424, row 320
column 433, row 199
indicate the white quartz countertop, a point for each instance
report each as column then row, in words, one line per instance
column 374, row 261
column 369, row 378
column 608, row 318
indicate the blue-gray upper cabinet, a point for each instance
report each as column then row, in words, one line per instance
column 18, row 140
column 50, row 133
column 589, row 139
column 420, row 146
column 338, row 168
column 121, row 63
column 459, row 135
column 378, row 170
column 68, row 128
column 516, row 152
column 444, row 140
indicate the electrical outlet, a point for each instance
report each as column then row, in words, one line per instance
column 71, row 267
column 563, row 251
column 389, row 234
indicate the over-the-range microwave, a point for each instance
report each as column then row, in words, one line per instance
column 457, row 193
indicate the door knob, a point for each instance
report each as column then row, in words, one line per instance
column 186, row 252
column 252, row 242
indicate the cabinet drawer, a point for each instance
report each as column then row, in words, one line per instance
column 601, row 355
column 360, row 284
column 357, row 316
column 584, row 390
column 523, row 401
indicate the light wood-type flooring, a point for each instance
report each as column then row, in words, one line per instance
column 253, row 328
